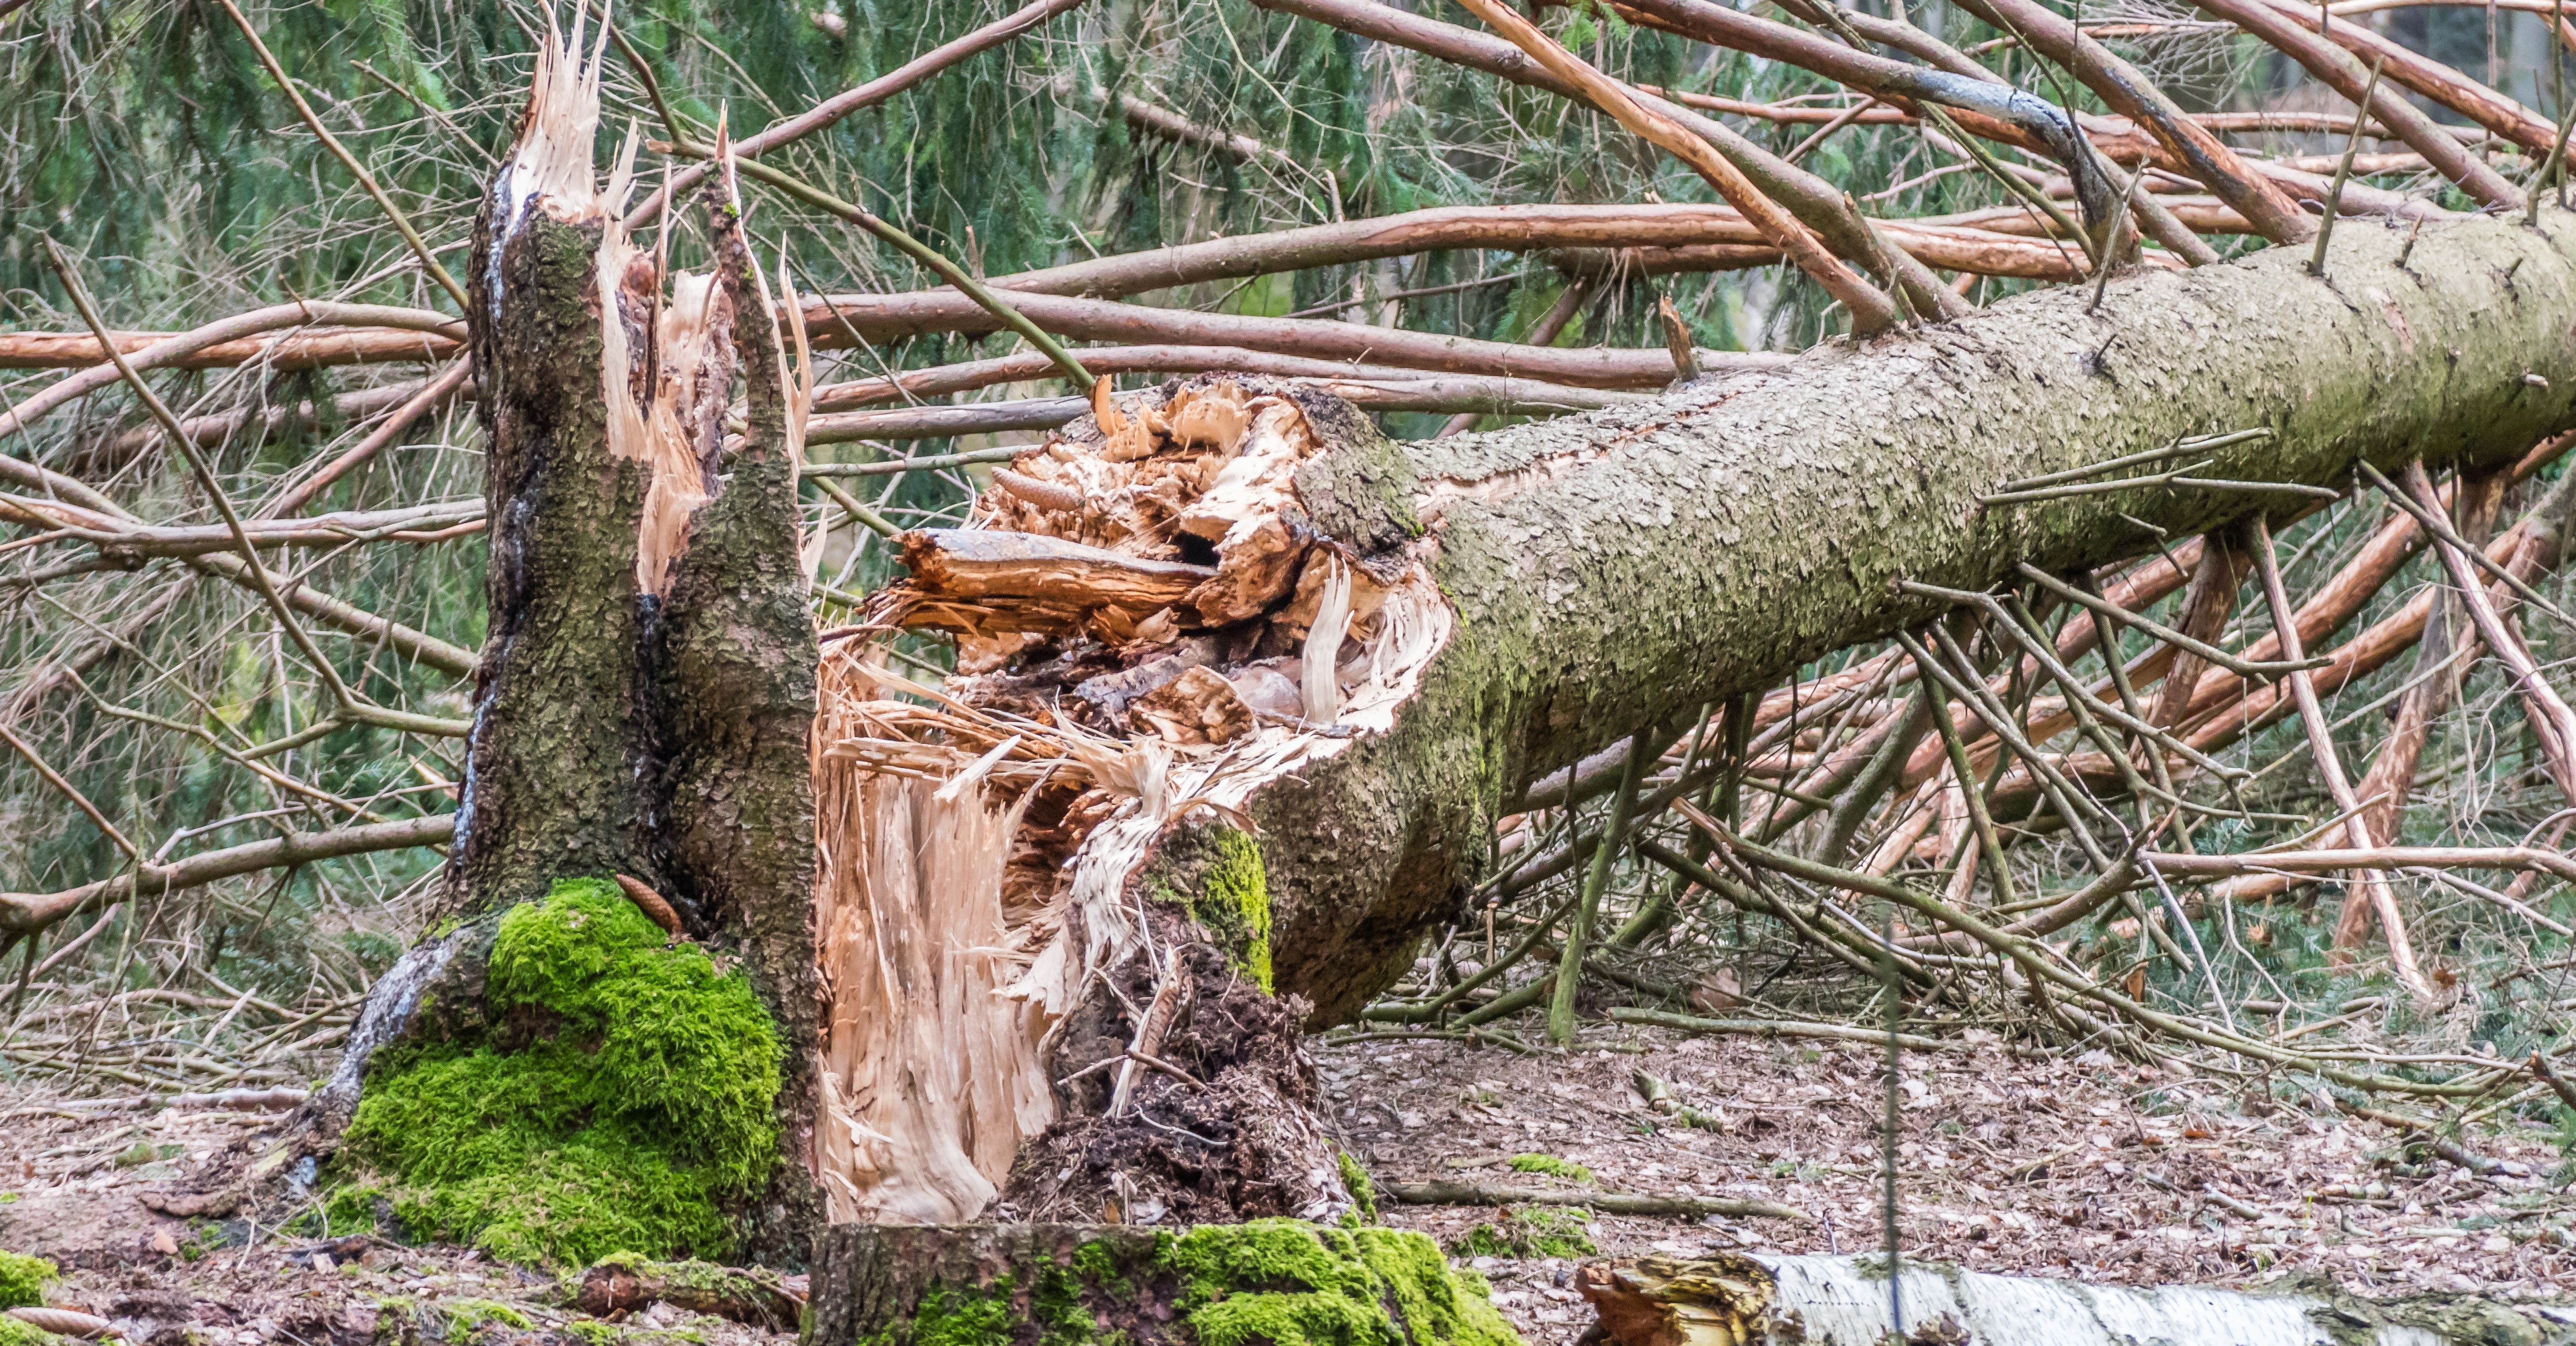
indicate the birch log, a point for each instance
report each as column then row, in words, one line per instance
column 1738, row 1300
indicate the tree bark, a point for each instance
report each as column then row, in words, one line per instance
column 1613, row 569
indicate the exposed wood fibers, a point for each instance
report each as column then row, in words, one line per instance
column 1143, row 616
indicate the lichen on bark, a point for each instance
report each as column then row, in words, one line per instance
column 1216, row 874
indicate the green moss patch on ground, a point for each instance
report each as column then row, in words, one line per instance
column 22, row 1280
column 1530, row 1231
column 1273, row 1282
column 1363, row 1191
column 1289, row 1283
column 623, row 1103
column 1551, row 1166
column 15, row 1333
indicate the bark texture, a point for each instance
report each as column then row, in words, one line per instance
column 1537, row 593
column 1613, row 569
column 647, row 690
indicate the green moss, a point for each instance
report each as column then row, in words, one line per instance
column 15, row 1333
column 465, row 1315
column 1288, row 1283
column 1094, row 1261
column 1552, row 1166
column 1063, row 1318
column 1356, row 1178
column 990, row 1315
column 592, row 1332
column 629, row 1102
column 1543, row 1231
column 1234, row 903
column 953, row 1317
column 22, row 1280
column 348, row 1209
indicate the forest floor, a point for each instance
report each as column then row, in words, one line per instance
column 2091, row 1168
column 2088, row 1168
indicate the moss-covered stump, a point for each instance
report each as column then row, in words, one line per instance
column 1264, row 1283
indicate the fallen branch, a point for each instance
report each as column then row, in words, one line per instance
column 1441, row 1192
column 382, row 342
column 27, row 913
column 1780, row 1028
column 754, row 1296
column 2423, row 1132
column 2375, row 858
column 1488, row 396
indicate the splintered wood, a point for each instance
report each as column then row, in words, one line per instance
column 1148, row 628
column 1178, row 520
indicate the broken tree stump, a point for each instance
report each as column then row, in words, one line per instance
column 1278, row 1281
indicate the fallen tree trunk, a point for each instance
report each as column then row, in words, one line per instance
column 1272, row 721
column 1732, row 1298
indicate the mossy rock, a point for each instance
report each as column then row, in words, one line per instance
column 617, row 1092
column 1262, row 1283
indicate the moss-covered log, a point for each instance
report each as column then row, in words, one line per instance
column 625, row 1283
column 1262, row 1283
